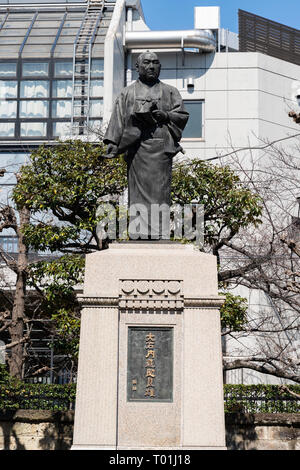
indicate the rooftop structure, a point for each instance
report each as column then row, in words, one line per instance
column 257, row 34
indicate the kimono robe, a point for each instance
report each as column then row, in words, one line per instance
column 149, row 146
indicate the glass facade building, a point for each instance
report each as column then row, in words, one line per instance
column 51, row 69
column 51, row 86
column 36, row 99
column 51, row 76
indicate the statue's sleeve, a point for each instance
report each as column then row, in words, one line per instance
column 178, row 116
column 123, row 130
column 115, row 127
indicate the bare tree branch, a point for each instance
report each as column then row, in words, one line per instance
column 263, row 368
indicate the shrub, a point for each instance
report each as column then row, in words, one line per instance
column 37, row 396
column 261, row 399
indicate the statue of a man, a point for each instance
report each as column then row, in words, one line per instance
column 146, row 124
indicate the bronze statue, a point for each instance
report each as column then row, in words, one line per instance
column 146, row 124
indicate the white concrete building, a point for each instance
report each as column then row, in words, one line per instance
column 234, row 97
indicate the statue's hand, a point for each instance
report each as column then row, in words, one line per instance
column 160, row 116
column 111, row 151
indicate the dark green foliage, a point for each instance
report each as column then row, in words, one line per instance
column 228, row 206
column 233, row 312
column 67, row 181
column 63, row 185
column 57, row 279
column 5, row 378
column 261, row 399
column 37, row 397
column 238, row 398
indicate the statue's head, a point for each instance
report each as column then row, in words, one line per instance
column 148, row 67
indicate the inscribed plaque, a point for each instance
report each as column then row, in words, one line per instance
column 150, row 364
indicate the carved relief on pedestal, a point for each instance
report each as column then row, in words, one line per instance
column 151, row 295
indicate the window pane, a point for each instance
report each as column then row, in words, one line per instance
column 62, row 88
column 7, row 69
column 10, row 24
column 13, row 161
column 81, row 89
column 96, row 88
column 96, row 108
column 33, row 129
column 9, row 244
column 8, row 109
column 34, row 109
column 7, row 129
column 39, row 69
column 80, row 108
column 63, row 68
column 49, row 23
column 97, row 67
column 73, row 24
column 8, row 89
column 9, row 178
column 194, row 126
column 61, row 109
column 34, row 89
column 62, row 129
column 95, row 125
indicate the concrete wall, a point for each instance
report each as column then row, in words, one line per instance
column 36, row 430
column 47, row 430
column 263, row 432
column 114, row 62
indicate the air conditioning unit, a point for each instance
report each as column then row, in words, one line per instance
column 207, row 18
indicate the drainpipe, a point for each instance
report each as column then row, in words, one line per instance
column 129, row 19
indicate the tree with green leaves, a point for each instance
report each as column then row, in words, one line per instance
column 66, row 183
column 12, row 311
column 61, row 188
column 228, row 206
column 54, row 211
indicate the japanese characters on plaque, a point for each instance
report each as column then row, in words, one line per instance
column 150, row 364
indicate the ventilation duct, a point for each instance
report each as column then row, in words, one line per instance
column 202, row 39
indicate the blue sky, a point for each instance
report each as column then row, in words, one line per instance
column 179, row 14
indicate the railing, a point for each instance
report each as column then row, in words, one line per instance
column 237, row 398
column 258, row 34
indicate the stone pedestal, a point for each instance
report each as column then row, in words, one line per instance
column 162, row 298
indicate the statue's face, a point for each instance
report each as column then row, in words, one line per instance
column 148, row 67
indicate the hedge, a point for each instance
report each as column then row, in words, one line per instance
column 261, row 399
column 237, row 398
column 37, row 396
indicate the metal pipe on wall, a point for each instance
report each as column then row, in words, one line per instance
column 202, row 39
column 129, row 19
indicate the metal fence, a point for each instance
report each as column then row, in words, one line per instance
column 37, row 397
column 37, row 402
column 261, row 399
column 237, row 398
